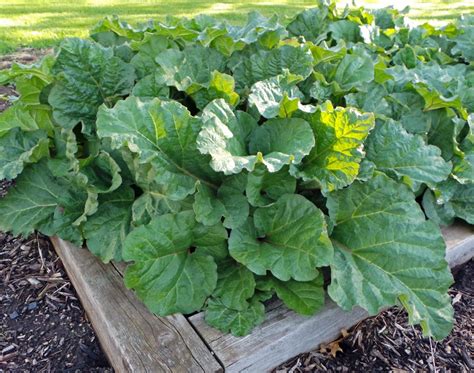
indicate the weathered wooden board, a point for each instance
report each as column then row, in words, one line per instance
column 137, row 341
column 459, row 240
column 285, row 334
column 133, row 339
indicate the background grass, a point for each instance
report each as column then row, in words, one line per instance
column 42, row 23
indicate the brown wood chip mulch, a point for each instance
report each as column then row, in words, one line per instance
column 386, row 343
column 42, row 324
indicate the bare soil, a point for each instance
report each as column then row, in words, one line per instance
column 23, row 56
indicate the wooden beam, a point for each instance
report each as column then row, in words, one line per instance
column 459, row 240
column 133, row 339
column 285, row 334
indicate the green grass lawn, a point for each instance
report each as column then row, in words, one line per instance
column 41, row 23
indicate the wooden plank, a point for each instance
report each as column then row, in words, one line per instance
column 459, row 240
column 133, row 339
column 285, row 334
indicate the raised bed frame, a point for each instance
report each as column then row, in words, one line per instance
column 135, row 340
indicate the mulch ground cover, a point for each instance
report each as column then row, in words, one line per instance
column 42, row 324
column 44, row 328
column 386, row 343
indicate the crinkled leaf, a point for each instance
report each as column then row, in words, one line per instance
column 225, row 137
column 278, row 96
column 282, row 142
column 312, row 23
column 191, row 69
column 40, row 201
column 162, row 134
column 151, row 86
column 89, row 75
column 18, row 149
column 465, row 43
column 354, row 71
column 229, row 203
column 121, row 28
column 266, row 64
column 237, row 322
column 442, row 214
column 457, row 199
column 235, row 285
column 345, row 30
column 17, row 116
column 156, row 198
column 402, row 260
column 302, row 297
column 266, row 31
column 166, row 275
column 220, row 86
column 435, row 100
column 265, row 187
column 395, row 151
column 147, row 51
column 106, row 230
column 288, row 238
column 340, row 134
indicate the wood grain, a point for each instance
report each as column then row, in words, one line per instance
column 133, row 339
column 459, row 240
column 285, row 334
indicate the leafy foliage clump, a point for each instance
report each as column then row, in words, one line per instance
column 232, row 164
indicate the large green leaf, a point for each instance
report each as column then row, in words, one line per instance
column 465, row 43
column 106, row 230
column 312, row 23
column 303, row 297
column 238, row 322
column 162, row 134
column 289, row 238
column 354, row 71
column 265, row 187
column 18, row 148
column 220, row 86
column 278, row 96
column 229, row 203
column 402, row 260
column 89, row 75
column 191, row 69
column 156, row 199
column 147, row 51
column 265, row 64
column 225, row 136
column 235, row 285
column 167, row 274
column 40, row 201
column 17, row 116
column 395, row 151
column 340, row 133
column 454, row 200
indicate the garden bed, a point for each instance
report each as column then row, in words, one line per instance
column 135, row 340
column 233, row 185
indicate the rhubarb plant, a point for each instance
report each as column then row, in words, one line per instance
column 231, row 164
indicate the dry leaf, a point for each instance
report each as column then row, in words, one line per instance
column 335, row 348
